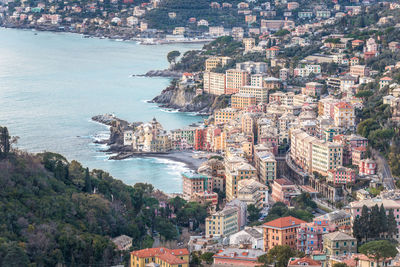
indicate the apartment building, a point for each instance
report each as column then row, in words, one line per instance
column 214, row 83
column 235, row 79
column 195, row 183
column 281, row 232
column 225, row 115
column 261, row 93
column 359, row 70
column 339, row 244
column 252, row 67
column 312, row 89
column 253, row 192
column 249, row 44
column 283, row 190
column 326, row 156
column 160, row 257
column 213, row 62
column 242, row 101
column 266, row 166
column 341, row 175
column 222, row 223
column 235, row 172
column 344, row 115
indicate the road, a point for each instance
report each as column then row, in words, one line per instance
column 384, row 169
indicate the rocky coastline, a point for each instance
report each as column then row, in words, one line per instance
column 161, row 73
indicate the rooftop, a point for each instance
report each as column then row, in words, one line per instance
column 284, row 222
column 338, row 236
column 165, row 254
column 239, row 254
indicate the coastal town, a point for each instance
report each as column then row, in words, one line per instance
column 297, row 148
column 304, row 154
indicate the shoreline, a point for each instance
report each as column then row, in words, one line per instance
column 116, row 38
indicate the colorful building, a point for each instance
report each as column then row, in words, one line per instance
column 161, row 256
column 339, row 244
column 235, row 79
column 237, row 257
column 282, row 231
column 223, row 222
column 243, row 101
column 341, row 175
column 284, row 190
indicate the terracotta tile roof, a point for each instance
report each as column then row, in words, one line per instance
column 171, row 256
column 304, row 261
column 343, row 105
column 284, row 222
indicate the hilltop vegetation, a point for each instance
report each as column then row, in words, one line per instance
column 57, row 212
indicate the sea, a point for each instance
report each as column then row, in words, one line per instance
column 51, row 84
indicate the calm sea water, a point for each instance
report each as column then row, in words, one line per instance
column 51, row 84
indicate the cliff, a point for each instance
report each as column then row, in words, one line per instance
column 183, row 98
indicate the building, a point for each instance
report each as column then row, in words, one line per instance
column 280, row 232
column 234, row 173
column 359, row 71
column 161, row 256
column 237, row 257
column 312, row 89
column 272, row 52
column 266, row 166
column 195, row 183
column 341, row 175
column 213, row 62
column 326, row 156
column 339, row 244
column 235, row 79
column 340, row 218
column 249, row 44
column 305, row 261
column 222, row 223
column 252, row 192
column 283, row 190
column 272, row 83
column 214, row 83
column 252, row 67
column 225, row 115
column 344, row 115
column 243, row 101
column 367, row 167
column 309, row 235
column 250, row 237
column 385, row 81
column 241, row 207
column 261, row 93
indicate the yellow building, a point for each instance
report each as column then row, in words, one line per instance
column 223, row 223
column 162, row 256
column 214, row 83
column 225, row 115
column 248, row 126
column 266, row 166
column 261, row 93
column 242, row 101
column 213, row 62
column 249, row 44
column 235, row 172
column 344, row 115
column 236, row 79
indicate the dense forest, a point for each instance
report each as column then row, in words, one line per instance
column 57, row 212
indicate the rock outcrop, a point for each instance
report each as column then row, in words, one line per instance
column 183, row 98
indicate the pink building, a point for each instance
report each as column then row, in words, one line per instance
column 367, row 167
column 341, row 175
column 357, row 154
column 309, row 235
column 195, row 183
column 312, row 89
column 283, row 190
column 237, row 257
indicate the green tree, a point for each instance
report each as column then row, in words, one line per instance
column 207, row 257
column 15, row 257
column 253, row 213
column 340, row 264
column 88, row 182
column 280, row 255
column 392, row 224
column 379, row 250
column 4, row 142
column 172, row 56
column 383, row 220
column 374, row 222
column 364, row 222
column 358, row 232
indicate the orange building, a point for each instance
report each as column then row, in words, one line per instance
column 160, row 256
column 235, row 79
column 242, row 101
column 282, row 231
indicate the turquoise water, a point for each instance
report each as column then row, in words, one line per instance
column 51, row 84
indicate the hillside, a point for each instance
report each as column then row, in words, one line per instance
column 57, row 212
